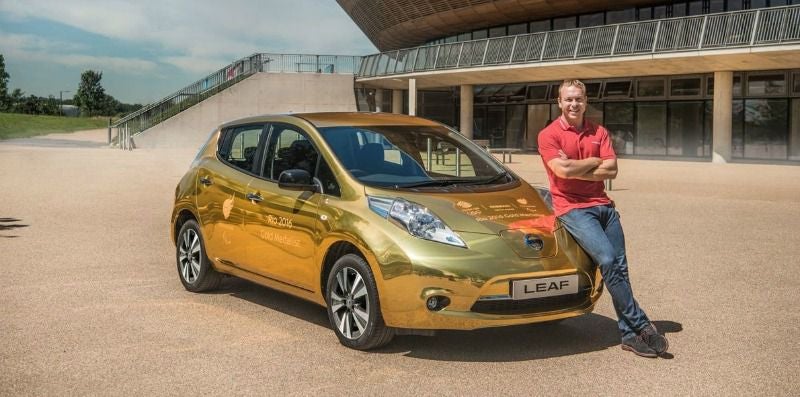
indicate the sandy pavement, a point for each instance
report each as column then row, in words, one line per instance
column 90, row 301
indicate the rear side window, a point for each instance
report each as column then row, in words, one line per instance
column 240, row 145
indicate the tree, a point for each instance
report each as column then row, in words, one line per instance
column 4, row 99
column 91, row 97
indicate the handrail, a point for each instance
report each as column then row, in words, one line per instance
column 747, row 28
column 154, row 113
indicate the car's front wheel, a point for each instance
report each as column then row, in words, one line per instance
column 353, row 305
column 194, row 267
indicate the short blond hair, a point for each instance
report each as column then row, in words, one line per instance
column 572, row 83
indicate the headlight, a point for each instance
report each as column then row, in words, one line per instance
column 416, row 219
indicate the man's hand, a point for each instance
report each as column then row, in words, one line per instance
column 565, row 168
column 606, row 170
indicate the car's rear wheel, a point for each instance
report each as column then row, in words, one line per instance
column 353, row 305
column 194, row 268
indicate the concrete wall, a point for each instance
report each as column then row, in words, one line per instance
column 262, row 93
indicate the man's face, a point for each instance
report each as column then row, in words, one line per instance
column 572, row 101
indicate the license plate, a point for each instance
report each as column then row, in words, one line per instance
column 544, row 287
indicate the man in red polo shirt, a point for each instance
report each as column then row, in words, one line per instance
column 578, row 157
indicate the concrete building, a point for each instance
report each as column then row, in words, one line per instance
column 715, row 80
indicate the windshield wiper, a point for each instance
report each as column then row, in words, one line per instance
column 433, row 182
column 493, row 179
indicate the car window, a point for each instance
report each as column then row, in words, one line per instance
column 326, row 179
column 288, row 149
column 411, row 156
column 240, row 145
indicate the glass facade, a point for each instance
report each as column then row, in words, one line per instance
column 669, row 116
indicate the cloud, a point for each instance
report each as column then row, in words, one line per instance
column 27, row 47
column 208, row 30
column 197, row 65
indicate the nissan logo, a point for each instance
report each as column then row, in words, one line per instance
column 533, row 241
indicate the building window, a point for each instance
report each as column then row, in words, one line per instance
column 765, row 129
column 564, row 23
column 537, row 92
column 520, row 28
column 588, row 20
column 758, row 4
column 499, row 31
column 465, row 37
column 621, row 16
column 645, row 13
column 766, row 84
column 480, row 34
column 734, row 5
column 796, row 86
column 794, row 134
column 592, row 90
column 619, row 122
column 686, row 128
column 617, row 89
column 660, row 12
column 679, row 10
column 539, row 26
column 554, row 91
column 695, row 7
column 651, row 128
column 685, row 87
column 650, row 88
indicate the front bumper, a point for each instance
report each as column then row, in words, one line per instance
column 477, row 283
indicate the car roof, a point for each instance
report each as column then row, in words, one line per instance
column 338, row 119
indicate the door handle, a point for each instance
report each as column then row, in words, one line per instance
column 255, row 197
column 206, row 181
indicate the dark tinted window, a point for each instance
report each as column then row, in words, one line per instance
column 685, row 87
column 288, row 148
column 326, row 179
column 239, row 146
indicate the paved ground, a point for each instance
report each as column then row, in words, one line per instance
column 90, row 302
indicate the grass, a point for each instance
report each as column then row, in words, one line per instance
column 13, row 125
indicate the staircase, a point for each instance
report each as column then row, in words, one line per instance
column 155, row 113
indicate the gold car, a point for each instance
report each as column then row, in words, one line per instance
column 396, row 224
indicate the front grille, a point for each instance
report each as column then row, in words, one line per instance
column 536, row 305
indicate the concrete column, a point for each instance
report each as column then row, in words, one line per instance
column 467, row 102
column 723, row 117
column 412, row 97
column 397, row 101
column 378, row 100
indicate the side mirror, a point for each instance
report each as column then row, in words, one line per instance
column 296, row 179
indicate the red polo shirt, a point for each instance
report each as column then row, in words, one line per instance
column 592, row 142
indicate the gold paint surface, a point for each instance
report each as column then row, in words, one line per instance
column 282, row 241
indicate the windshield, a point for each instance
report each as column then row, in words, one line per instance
column 413, row 157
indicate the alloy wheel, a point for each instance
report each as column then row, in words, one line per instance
column 189, row 257
column 349, row 301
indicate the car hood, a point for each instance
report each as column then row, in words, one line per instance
column 497, row 212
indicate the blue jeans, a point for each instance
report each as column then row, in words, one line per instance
column 599, row 233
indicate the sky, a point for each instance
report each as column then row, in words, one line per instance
column 149, row 49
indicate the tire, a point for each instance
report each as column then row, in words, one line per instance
column 352, row 295
column 194, row 267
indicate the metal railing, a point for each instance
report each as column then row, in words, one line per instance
column 761, row 27
column 157, row 112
